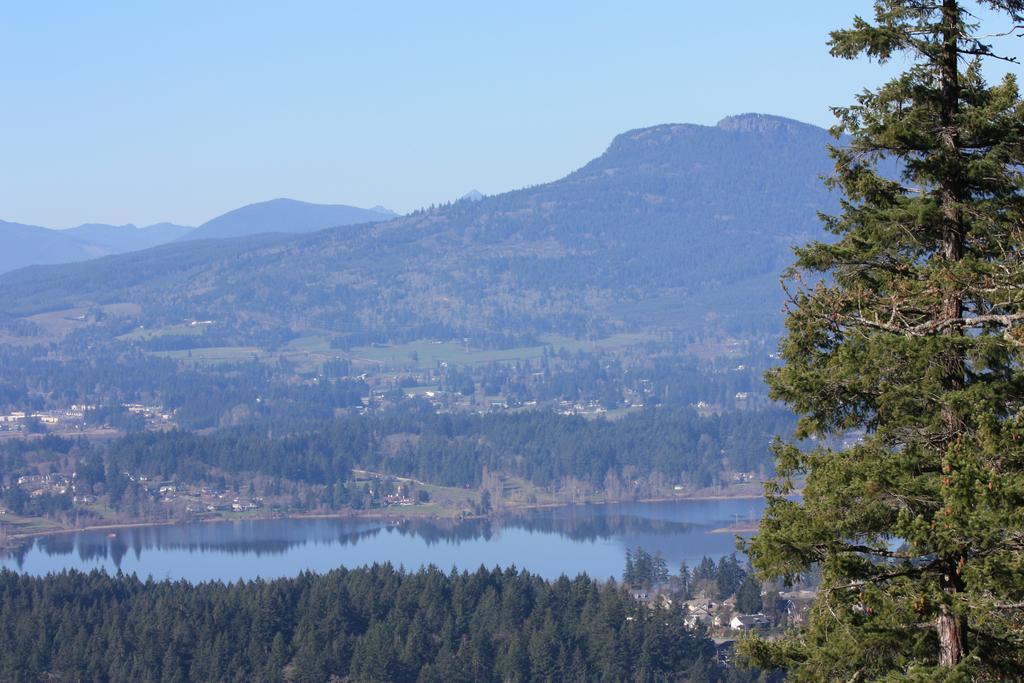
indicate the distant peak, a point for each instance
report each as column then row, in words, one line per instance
column 383, row 209
column 472, row 196
column 279, row 201
column 105, row 226
column 167, row 226
column 761, row 123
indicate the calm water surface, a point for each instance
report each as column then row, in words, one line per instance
column 549, row 542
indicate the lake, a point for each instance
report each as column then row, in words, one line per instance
column 548, row 542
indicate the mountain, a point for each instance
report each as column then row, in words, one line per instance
column 286, row 215
column 122, row 238
column 674, row 227
column 23, row 245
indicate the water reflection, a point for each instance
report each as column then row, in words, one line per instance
column 584, row 524
column 548, row 541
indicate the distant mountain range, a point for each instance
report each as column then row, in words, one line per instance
column 24, row 245
column 676, row 226
column 286, row 215
column 121, row 238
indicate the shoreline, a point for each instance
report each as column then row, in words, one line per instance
column 741, row 528
column 13, row 540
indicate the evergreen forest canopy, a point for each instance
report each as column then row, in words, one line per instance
column 914, row 335
column 293, row 397
column 370, row 624
column 455, row 450
column 633, row 457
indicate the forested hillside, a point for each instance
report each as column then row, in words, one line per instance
column 673, row 226
column 25, row 245
column 541, row 447
column 29, row 245
column 371, row 624
column 287, row 216
column 600, row 336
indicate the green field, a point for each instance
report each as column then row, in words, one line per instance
column 613, row 414
column 427, row 354
column 421, row 355
column 64, row 321
column 13, row 524
column 445, row 501
column 184, row 330
column 216, row 354
column 313, row 344
column 420, row 391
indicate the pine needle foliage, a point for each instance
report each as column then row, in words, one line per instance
column 908, row 328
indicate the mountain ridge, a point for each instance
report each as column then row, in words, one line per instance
column 23, row 245
column 122, row 238
column 673, row 226
column 286, row 216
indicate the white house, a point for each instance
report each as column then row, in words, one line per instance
column 745, row 622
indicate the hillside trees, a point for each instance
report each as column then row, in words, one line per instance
column 370, row 624
column 910, row 326
column 447, row 449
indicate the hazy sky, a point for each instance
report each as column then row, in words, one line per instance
column 143, row 112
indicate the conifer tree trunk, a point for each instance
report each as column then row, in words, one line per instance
column 951, row 629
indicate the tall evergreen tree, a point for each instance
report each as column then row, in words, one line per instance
column 685, row 581
column 909, row 326
column 661, row 572
column 629, row 576
column 748, row 596
column 728, row 576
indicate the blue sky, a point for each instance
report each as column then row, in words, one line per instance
column 143, row 112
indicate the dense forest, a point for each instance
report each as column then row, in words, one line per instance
column 412, row 440
column 301, row 394
column 370, row 624
column 622, row 422
column 726, row 579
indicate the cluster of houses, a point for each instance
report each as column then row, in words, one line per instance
column 398, row 499
column 197, row 499
column 428, row 384
column 152, row 413
column 234, row 505
column 444, row 401
column 580, row 408
column 722, row 618
column 73, row 418
column 19, row 420
column 40, row 484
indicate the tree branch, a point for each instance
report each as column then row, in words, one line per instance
column 936, row 326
